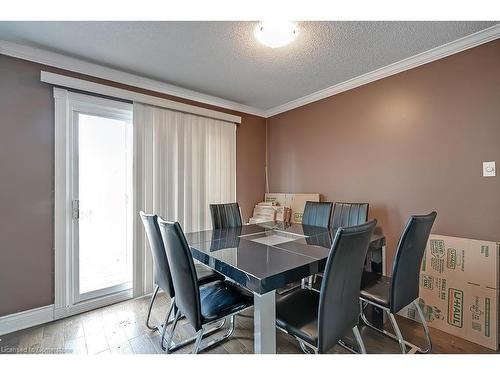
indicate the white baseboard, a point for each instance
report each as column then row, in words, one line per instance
column 26, row 319
column 40, row 315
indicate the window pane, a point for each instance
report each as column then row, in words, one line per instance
column 104, row 183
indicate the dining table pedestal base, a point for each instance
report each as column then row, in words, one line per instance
column 265, row 323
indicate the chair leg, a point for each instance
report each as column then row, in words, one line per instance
column 305, row 348
column 426, row 328
column 167, row 317
column 230, row 331
column 198, row 341
column 362, row 307
column 232, row 325
column 219, row 339
column 359, row 340
column 171, row 335
column 207, row 332
column 153, row 297
column 397, row 332
column 399, row 337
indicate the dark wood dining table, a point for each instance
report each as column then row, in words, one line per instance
column 265, row 257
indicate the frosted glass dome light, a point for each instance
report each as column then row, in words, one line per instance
column 276, row 34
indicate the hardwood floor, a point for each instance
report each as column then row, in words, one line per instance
column 120, row 329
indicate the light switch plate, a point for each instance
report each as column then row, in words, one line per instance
column 489, row 169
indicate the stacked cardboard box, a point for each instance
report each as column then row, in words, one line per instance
column 296, row 202
column 459, row 288
column 270, row 211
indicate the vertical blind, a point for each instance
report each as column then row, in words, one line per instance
column 184, row 163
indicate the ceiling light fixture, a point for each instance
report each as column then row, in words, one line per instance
column 276, row 34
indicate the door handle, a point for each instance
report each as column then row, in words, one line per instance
column 75, row 209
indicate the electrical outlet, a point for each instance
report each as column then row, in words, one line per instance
column 489, row 169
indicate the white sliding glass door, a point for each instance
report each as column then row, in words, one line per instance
column 94, row 202
column 102, row 197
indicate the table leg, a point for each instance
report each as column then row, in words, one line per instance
column 384, row 266
column 265, row 323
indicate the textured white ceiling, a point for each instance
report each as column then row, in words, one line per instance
column 224, row 59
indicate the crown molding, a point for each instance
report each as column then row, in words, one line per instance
column 80, row 66
column 57, row 60
column 437, row 53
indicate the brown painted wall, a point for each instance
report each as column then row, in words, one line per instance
column 406, row 144
column 27, row 180
column 26, row 188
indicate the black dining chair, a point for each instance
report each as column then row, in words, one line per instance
column 317, row 214
column 320, row 320
column 162, row 275
column 201, row 305
column 391, row 294
column 225, row 215
column 345, row 214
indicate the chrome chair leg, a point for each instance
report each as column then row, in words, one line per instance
column 199, row 348
column 171, row 335
column 305, row 348
column 398, row 337
column 220, row 339
column 359, row 340
column 362, row 306
column 232, row 325
column 199, row 337
column 344, row 345
column 207, row 332
column 397, row 332
column 313, row 282
column 165, row 324
column 153, row 297
column 426, row 328
column 310, row 281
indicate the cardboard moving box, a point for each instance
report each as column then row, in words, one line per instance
column 460, row 258
column 269, row 211
column 467, row 310
column 296, row 202
column 264, row 213
column 459, row 288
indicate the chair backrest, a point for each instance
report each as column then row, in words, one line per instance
column 162, row 275
column 185, row 280
column 406, row 266
column 317, row 214
column 225, row 215
column 339, row 294
column 349, row 214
